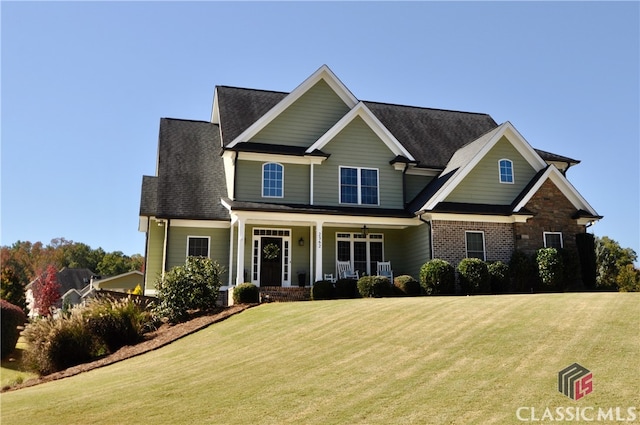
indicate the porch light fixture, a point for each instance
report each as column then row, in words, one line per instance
column 365, row 230
column 301, row 242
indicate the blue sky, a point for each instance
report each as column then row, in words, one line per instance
column 84, row 85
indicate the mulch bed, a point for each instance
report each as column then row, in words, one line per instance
column 164, row 335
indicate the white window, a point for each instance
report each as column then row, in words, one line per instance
column 198, row 246
column 359, row 186
column 505, row 169
column 475, row 245
column 553, row 240
column 272, row 180
column 363, row 251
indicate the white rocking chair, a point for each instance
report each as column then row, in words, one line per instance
column 384, row 269
column 345, row 271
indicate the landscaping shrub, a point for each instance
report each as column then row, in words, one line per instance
column 116, row 323
column 246, row 293
column 322, row 290
column 193, row 286
column 474, row 276
column 407, row 286
column 11, row 316
column 374, row 286
column 437, row 277
column 499, row 277
column 523, row 272
column 56, row 344
column 346, row 288
column 587, row 255
column 550, row 268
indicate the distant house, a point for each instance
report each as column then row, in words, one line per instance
column 125, row 282
column 281, row 184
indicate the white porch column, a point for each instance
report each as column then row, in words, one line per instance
column 318, row 241
column 240, row 259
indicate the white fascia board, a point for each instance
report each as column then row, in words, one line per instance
column 561, row 182
column 215, row 111
column 323, row 73
column 204, row 224
column 430, row 172
column 517, row 141
column 482, row 218
column 280, row 218
column 285, row 159
column 374, row 124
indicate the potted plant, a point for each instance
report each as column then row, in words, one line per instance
column 302, row 278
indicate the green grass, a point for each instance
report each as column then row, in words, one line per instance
column 12, row 371
column 427, row 360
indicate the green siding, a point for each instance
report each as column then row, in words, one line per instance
column 414, row 185
column 218, row 248
column 306, row 119
column 155, row 246
column 482, row 185
column 123, row 283
column 357, row 146
column 415, row 248
column 249, row 183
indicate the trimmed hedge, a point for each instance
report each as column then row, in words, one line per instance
column 12, row 316
column 374, row 286
column 474, row 276
column 346, row 288
column 499, row 273
column 322, row 290
column 437, row 277
column 246, row 293
column 407, row 286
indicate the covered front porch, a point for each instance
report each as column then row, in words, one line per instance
column 289, row 249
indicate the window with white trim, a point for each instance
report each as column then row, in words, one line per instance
column 198, row 246
column 362, row 251
column 359, row 186
column 475, row 244
column 505, row 168
column 272, row 180
column 553, row 240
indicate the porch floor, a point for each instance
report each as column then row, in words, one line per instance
column 284, row 294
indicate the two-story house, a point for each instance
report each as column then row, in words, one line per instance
column 277, row 184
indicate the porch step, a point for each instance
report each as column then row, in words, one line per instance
column 284, row 294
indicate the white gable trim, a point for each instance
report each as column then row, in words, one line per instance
column 565, row 187
column 323, row 73
column 374, row 124
column 517, row 141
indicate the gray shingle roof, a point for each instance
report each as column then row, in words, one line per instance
column 191, row 180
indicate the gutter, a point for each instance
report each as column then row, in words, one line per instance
column 430, row 234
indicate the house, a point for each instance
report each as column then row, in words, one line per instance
column 280, row 186
column 75, row 286
column 125, row 282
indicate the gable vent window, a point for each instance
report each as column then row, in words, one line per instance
column 506, row 170
column 272, row 180
column 553, row 240
column 475, row 245
column 197, row 246
column 358, row 186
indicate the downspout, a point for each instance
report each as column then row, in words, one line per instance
column 235, row 174
column 430, row 234
column 165, row 249
column 404, row 183
column 146, row 255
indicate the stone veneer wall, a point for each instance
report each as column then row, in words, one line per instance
column 449, row 242
column 553, row 212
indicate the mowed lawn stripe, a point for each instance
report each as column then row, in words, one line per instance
column 421, row 360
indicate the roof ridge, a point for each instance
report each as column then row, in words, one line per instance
column 426, row 107
column 187, row 120
column 250, row 89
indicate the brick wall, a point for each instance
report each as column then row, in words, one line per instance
column 552, row 213
column 449, row 241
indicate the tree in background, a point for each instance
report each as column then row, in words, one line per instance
column 611, row 259
column 46, row 291
column 115, row 263
column 11, row 289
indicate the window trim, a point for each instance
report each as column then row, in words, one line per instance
column 544, row 239
column 466, row 244
column 513, row 176
column 359, row 184
column 281, row 180
column 208, row 238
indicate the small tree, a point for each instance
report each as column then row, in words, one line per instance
column 193, row 286
column 499, row 273
column 46, row 291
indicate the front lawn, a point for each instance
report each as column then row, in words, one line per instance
column 425, row 360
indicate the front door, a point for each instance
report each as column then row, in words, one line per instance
column 271, row 261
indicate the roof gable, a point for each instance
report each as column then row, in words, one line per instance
column 466, row 158
column 324, row 74
column 361, row 111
